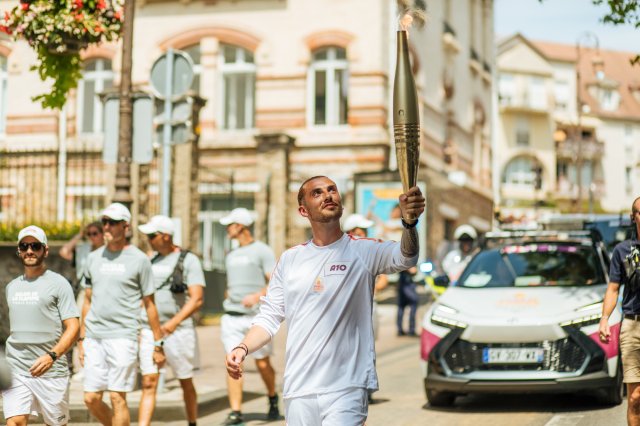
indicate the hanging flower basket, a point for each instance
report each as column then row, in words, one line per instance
column 58, row 30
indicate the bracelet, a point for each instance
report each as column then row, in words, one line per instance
column 408, row 225
column 244, row 347
column 80, row 339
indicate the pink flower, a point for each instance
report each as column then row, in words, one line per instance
column 78, row 4
column 78, row 17
column 24, row 6
column 101, row 5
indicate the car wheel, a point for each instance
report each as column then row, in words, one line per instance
column 440, row 399
column 613, row 394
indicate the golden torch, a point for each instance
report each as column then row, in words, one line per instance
column 406, row 119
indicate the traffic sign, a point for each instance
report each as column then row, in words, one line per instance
column 172, row 74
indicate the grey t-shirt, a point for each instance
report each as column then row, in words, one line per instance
column 36, row 310
column 118, row 281
column 169, row 303
column 247, row 267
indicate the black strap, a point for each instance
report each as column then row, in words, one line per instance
column 177, row 274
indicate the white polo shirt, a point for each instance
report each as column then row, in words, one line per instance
column 325, row 294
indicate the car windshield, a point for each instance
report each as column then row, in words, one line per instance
column 534, row 264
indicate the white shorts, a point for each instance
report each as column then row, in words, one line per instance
column 48, row 396
column 233, row 329
column 348, row 407
column 110, row 364
column 179, row 349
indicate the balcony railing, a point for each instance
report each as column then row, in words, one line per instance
column 592, row 148
column 523, row 100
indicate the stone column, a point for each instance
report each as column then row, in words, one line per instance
column 185, row 196
column 272, row 200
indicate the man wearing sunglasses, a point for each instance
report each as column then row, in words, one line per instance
column 44, row 325
column 117, row 278
column 177, row 298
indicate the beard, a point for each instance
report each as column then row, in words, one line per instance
column 33, row 261
column 326, row 216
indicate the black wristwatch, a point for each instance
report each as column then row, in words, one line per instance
column 408, row 225
column 53, row 355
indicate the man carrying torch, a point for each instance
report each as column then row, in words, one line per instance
column 324, row 290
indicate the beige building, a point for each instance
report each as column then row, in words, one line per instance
column 293, row 89
column 543, row 138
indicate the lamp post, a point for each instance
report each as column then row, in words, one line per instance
column 586, row 36
column 123, row 170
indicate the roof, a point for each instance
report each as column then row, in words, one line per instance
column 619, row 74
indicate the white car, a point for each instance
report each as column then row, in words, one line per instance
column 523, row 317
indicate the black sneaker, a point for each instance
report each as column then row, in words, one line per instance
column 235, row 418
column 274, row 413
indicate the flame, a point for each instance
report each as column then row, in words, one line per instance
column 410, row 16
column 405, row 22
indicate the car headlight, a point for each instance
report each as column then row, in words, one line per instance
column 441, row 317
column 583, row 321
column 597, row 305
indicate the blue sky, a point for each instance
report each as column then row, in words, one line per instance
column 562, row 21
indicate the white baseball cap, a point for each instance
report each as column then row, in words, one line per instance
column 117, row 211
column 159, row 223
column 356, row 221
column 467, row 230
column 33, row 231
column 240, row 216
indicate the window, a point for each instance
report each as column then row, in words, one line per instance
column 537, row 93
column 506, row 89
column 328, row 87
column 520, row 171
column 609, row 99
column 97, row 77
column 3, row 94
column 522, row 131
column 562, row 94
column 628, row 179
column 238, row 87
column 194, row 52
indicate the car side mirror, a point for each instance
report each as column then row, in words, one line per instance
column 442, row 281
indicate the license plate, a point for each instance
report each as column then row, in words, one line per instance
column 512, row 355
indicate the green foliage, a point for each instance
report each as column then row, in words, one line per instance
column 64, row 69
column 57, row 31
column 56, row 231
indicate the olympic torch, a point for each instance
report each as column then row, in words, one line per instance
column 406, row 119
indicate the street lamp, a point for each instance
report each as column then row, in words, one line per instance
column 587, row 36
column 123, row 170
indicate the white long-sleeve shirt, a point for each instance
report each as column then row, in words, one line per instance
column 325, row 294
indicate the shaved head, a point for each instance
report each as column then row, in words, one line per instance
column 301, row 190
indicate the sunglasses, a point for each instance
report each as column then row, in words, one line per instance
column 94, row 234
column 152, row 236
column 110, row 222
column 35, row 246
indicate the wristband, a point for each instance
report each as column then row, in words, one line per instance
column 80, row 339
column 53, row 355
column 158, row 343
column 408, row 225
column 244, row 348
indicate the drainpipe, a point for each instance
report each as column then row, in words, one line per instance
column 62, row 164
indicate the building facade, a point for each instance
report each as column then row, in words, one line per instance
column 293, row 89
column 568, row 129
